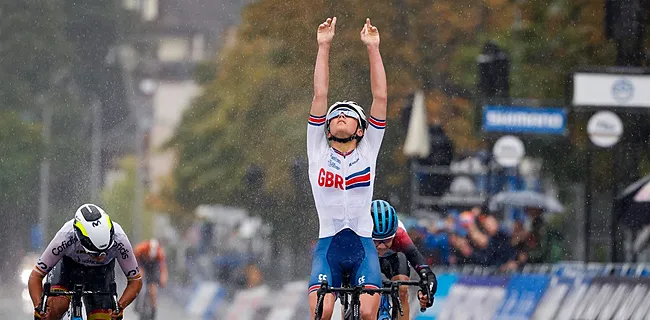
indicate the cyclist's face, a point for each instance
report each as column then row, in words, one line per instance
column 383, row 245
column 343, row 127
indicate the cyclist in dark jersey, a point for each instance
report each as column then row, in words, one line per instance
column 396, row 250
column 151, row 259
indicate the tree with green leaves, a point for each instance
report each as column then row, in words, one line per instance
column 53, row 54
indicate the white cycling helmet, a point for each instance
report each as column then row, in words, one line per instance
column 363, row 121
column 153, row 248
column 93, row 228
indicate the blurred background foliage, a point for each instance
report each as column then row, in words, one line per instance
column 257, row 93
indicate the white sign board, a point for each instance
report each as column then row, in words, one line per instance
column 508, row 151
column 605, row 128
column 611, row 90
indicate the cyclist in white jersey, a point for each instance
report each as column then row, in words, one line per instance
column 84, row 251
column 342, row 174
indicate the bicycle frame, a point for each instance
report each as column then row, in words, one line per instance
column 143, row 302
column 396, row 302
column 76, row 295
column 355, row 303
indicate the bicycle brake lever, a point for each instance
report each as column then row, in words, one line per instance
column 421, row 292
column 42, row 307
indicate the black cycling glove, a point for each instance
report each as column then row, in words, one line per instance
column 432, row 283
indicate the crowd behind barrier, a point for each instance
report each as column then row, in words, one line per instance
column 479, row 237
column 566, row 290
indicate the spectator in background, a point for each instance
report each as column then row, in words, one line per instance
column 463, row 252
column 488, row 237
column 437, row 243
column 537, row 243
column 544, row 244
column 254, row 276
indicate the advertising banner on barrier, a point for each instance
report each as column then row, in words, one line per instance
column 247, row 302
column 522, row 295
column 285, row 303
column 483, row 294
column 558, row 289
column 617, row 298
column 579, row 287
column 445, row 283
column 207, row 300
column 520, row 119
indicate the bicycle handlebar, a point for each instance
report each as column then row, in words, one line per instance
column 422, row 283
column 42, row 307
column 390, row 287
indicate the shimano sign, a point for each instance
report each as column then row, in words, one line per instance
column 531, row 120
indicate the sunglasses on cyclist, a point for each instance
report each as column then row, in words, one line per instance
column 348, row 113
column 96, row 254
column 384, row 241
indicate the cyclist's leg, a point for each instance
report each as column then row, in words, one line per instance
column 153, row 294
column 59, row 278
column 321, row 270
column 402, row 272
column 369, row 274
column 153, row 280
column 99, row 279
column 386, row 274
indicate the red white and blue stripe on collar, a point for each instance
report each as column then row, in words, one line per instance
column 345, row 154
column 358, row 179
column 316, row 120
column 378, row 124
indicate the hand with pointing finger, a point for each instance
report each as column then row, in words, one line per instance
column 370, row 34
column 326, row 31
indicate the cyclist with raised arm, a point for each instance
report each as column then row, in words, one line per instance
column 84, row 251
column 396, row 250
column 342, row 174
column 151, row 259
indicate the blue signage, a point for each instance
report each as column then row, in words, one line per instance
column 522, row 296
column 516, row 119
column 445, row 283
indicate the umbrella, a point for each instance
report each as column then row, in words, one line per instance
column 631, row 191
column 417, row 142
column 633, row 204
column 525, row 199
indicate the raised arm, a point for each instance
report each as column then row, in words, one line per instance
column 370, row 37
column 321, row 71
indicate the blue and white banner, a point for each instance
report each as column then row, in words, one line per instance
column 445, row 283
column 529, row 120
column 522, row 295
column 483, row 294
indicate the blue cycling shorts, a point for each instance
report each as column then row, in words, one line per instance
column 341, row 253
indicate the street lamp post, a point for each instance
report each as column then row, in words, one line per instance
column 96, row 157
column 44, row 201
column 147, row 87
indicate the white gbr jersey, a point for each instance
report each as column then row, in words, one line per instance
column 342, row 184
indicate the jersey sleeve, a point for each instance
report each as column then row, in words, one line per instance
column 316, row 139
column 162, row 260
column 161, row 255
column 374, row 135
column 56, row 249
column 139, row 250
column 126, row 257
column 404, row 244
